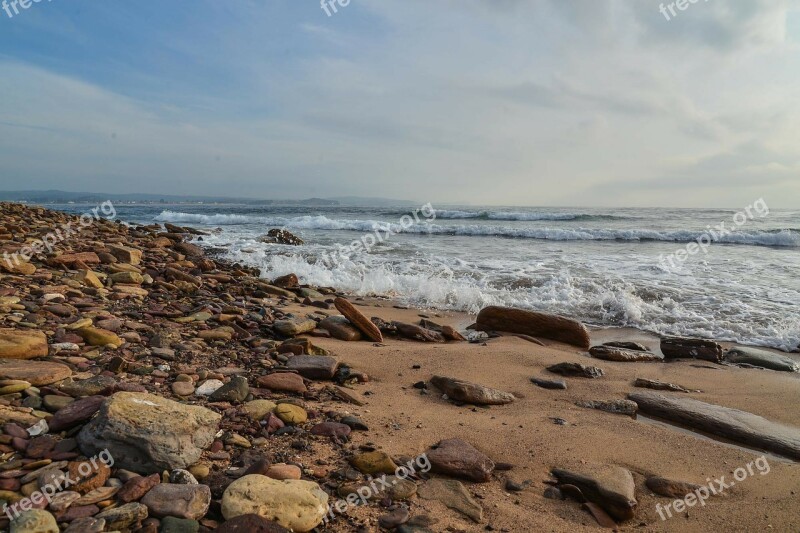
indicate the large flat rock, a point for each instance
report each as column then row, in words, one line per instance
column 762, row 358
column 37, row 373
column 494, row 318
column 739, row 426
column 22, row 344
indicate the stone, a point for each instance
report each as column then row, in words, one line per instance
column 181, row 501
column 457, row 458
column 658, row 385
column 472, row 393
column 96, row 495
column 452, row 494
column 34, row 521
column 283, row 381
column 373, row 463
column 620, row 407
column 236, row 390
column 132, row 278
column 93, row 386
column 137, row 487
column 258, row 409
column 331, row 429
column 60, row 501
column 180, row 476
column 126, row 254
column 99, row 337
column 552, row 384
column 669, row 488
column 224, row 333
column 250, row 523
column 417, row 333
column 18, row 415
column 146, row 433
column 623, row 355
column 358, row 319
column 89, row 278
column 75, row 413
column 294, row 326
column 678, row 348
column 88, row 476
column 183, row 388
column 22, row 344
column 123, row 517
column 291, row 414
column 395, row 518
column 576, row 370
column 627, row 345
column 170, row 524
column 281, row 236
column 313, row 366
column 340, row 328
column 283, row 471
column 37, row 373
column 209, row 387
column 287, row 281
column 534, row 324
column 731, row 424
column 611, row 487
column 88, row 258
column 295, row 504
column 762, row 358
column 304, row 345
column 86, row 525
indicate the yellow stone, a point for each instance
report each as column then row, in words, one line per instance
column 291, row 414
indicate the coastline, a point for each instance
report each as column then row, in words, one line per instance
column 402, row 421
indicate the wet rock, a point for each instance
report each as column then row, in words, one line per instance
column 624, row 355
column 37, row 373
column 732, row 424
column 146, row 433
column 576, row 370
column 610, row 487
column 553, row 384
column 472, row 393
column 619, row 407
column 340, row 328
column 534, row 324
column 762, row 358
column 294, row 504
column 281, row 236
column 22, row 344
column 313, row 366
column 627, row 345
column 181, row 501
column 457, row 458
column 452, row 494
column 678, row 348
column 358, row 319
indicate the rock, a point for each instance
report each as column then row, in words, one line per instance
column 620, row 407
column 340, row 328
column 22, row 344
column 86, row 525
column 691, row 349
column 281, row 236
column 354, row 423
column 610, row 487
column 99, row 337
column 88, row 258
column 34, row 521
column 125, row 254
column 313, row 366
column 762, row 358
column 291, row 414
column 417, row 333
column 89, row 476
column 331, row 429
column 738, row 426
column 183, row 388
column 96, row 495
column 18, row 415
column 472, row 393
column 75, row 412
column 283, row 381
column 250, row 523
column 294, row 504
column 124, row 517
column 137, row 487
column 658, row 385
column 669, row 488
column 452, row 494
column 88, row 387
column 395, row 518
column 258, row 409
column 180, row 476
column 181, row 501
column 132, row 278
column 282, row 471
column 209, row 387
column 294, row 326
column 236, row 390
column 189, row 249
column 373, row 463
column 457, row 458
column 304, row 345
column 224, row 333
column 624, row 355
column 553, row 384
column 37, row 373
column 534, row 324
column 170, row 524
column 627, row 345
column 287, row 281
column 576, row 370
column 147, row 433
column 357, row 318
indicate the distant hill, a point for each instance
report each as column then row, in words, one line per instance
column 371, row 201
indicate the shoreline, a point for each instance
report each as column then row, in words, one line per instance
column 188, row 319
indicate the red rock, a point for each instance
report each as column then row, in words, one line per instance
column 494, row 318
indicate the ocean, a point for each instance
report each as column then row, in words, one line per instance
column 629, row 267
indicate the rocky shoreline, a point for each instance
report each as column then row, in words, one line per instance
column 219, row 401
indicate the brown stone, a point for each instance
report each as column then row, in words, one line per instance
column 457, row 458
column 76, row 412
column 37, row 373
column 283, row 381
column 535, row 324
column 358, row 319
column 22, row 344
column 137, row 487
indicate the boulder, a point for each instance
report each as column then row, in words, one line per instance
column 762, row 358
column 534, row 324
column 472, row 393
column 146, row 433
column 295, row 504
column 22, row 344
column 732, row 424
column 679, row 348
column 358, row 319
column 610, row 487
column 281, row 236
column 457, row 458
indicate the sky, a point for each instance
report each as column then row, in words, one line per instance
column 502, row 102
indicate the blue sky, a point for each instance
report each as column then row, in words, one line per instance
column 538, row 102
